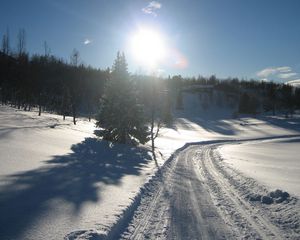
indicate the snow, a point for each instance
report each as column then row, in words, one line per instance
column 195, row 124
column 275, row 163
column 57, row 180
column 26, row 139
column 181, row 192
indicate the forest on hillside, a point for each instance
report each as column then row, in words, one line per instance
column 69, row 88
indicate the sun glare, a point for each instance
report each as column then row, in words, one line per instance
column 148, row 47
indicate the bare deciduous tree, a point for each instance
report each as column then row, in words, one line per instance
column 21, row 42
column 47, row 49
column 74, row 57
column 5, row 43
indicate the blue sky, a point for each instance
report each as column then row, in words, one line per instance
column 253, row 39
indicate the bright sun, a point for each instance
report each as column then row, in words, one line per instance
column 148, row 47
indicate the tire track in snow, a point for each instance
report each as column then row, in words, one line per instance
column 181, row 203
column 155, row 209
column 180, row 207
column 193, row 215
column 262, row 226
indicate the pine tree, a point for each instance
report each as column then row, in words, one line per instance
column 121, row 117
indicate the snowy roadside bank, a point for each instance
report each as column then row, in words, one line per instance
column 246, row 203
column 275, row 163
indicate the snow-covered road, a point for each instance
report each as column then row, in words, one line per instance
column 181, row 207
column 58, row 181
column 197, row 197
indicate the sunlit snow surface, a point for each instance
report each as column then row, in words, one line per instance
column 275, row 163
column 56, row 178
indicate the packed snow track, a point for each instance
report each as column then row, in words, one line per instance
column 196, row 197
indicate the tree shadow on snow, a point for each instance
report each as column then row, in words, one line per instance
column 214, row 126
column 224, row 125
column 72, row 178
column 292, row 123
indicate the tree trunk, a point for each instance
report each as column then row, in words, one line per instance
column 89, row 110
column 74, row 114
column 40, row 105
column 19, row 104
column 153, row 136
column 152, row 139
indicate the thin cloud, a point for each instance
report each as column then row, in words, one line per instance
column 264, row 73
column 284, row 69
column 277, row 73
column 286, row 75
column 151, row 8
column 87, row 41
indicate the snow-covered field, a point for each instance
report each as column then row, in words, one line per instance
column 275, row 163
column 194, row 124
column 58, row 180
column 55, row 178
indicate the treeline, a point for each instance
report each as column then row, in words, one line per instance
column 47, row 82
column 250, row 96
column 71, row 89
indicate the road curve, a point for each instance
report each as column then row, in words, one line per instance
column 195, row 199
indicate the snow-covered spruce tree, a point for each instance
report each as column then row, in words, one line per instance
column 121, row 117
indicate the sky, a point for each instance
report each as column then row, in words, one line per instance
column 257, row 39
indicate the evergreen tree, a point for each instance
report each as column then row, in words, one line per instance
column 121, row 117
column 248, row 104
column 287, row 99
column 297, row 98
column 271, row 93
